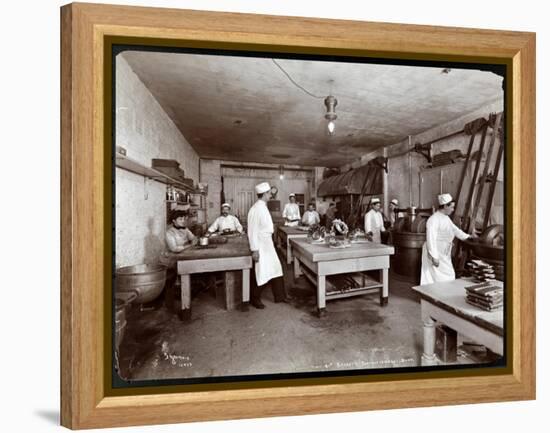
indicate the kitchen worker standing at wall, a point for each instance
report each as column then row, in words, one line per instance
column 436, row 251
column 394, row 204
column 374, row 222
column 291, row 212
column 267, row 267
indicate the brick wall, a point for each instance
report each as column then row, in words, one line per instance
column 146, row 131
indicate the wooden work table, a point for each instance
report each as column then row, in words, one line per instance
column 446, row 302
column 317, row 261
column 231, row 256
column 284, row 235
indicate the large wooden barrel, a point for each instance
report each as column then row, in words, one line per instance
column 407, row 260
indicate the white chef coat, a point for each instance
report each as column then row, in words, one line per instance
column 310, row 218
column 229, row 222
column 374, row 222
column 260, row 231
column 440, row 233
column 291, row 211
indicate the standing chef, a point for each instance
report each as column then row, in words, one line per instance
column 394, row 204
column 436, row 251
column 267, row 265
column 374, row 222
column 291, row 212
column 225, row 223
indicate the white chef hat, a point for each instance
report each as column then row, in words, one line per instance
column 291, row 195
column 262, row 187
column 395, row 202
column 374, row 200
column 226, row 205
column 444, row 199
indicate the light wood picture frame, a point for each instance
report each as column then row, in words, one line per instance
column 87, row 398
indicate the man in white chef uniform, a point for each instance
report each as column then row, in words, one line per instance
column 225, row 223
column 291, row 212
column 267, row 266
column 374, row 222
column 436, row 251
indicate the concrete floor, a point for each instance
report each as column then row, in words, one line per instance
column 356, row 333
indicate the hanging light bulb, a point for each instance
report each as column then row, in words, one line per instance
column 331, row 125
column 330, row 103
column 281, row 173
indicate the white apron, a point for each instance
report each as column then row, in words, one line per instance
column 260, row 231
column 374, row 223
column 291, row 211
column 440, row 233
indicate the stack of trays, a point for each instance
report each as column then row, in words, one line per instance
column 481, row 271
column 486, row 296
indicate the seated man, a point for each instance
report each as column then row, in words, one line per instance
column 311, row 217
column 225, row 223
column 178, row 236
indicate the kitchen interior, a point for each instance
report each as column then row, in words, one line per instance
column 195, row 131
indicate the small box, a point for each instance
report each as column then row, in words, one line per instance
column 157, row 162
column 445, row 343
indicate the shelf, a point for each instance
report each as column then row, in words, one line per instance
column 178, row 202
column 133, row 166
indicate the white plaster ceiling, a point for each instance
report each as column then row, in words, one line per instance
column 246, row 109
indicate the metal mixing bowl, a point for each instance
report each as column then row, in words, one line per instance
column 146, row 280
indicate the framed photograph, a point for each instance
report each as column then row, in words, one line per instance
column 311, row 215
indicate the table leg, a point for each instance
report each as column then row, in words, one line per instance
column 297, row 271
column 246, row 289
column 384, row 291
column 288, row 252
column 428, row 357
column 185, row 313
column 321, row 295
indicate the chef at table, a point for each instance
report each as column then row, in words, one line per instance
column 225, row 223
column 311, row 217
column 291, row 212
column 436, row 251
column 267, row 267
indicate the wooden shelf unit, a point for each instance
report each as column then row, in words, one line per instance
column 136, row 167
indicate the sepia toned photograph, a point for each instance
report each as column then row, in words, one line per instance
column 299, row 216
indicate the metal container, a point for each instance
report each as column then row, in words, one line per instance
column 145, row 279
column 407, row 260
column 203, row 241
column 122, row 301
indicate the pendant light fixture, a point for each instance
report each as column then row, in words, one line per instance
column 330, row 103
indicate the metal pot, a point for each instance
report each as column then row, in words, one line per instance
column 145, row 279
column 203, row 241
column 122, row 301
